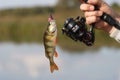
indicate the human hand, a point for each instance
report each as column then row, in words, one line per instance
column 93, row 16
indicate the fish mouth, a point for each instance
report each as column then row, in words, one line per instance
column 50, row 18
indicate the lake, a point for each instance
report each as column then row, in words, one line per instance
column 27, row 62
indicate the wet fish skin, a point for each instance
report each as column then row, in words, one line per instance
column 50, row 37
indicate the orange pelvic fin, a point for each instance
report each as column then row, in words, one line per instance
column 56, row 54
column 53, row 67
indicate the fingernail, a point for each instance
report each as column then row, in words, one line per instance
column 91, row 7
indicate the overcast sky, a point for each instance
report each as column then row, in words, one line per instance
column 26, row 3
column 30, row 3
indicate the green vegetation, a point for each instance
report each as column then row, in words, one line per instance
column 28, row 25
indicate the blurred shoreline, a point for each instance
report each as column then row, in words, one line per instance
column 28, row 25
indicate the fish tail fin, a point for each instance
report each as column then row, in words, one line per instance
column 56, row 54
column 53, row 67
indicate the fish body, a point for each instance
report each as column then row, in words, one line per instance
column 50, row 37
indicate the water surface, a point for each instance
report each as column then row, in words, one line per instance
column 27, row 62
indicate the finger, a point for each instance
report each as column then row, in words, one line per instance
column 98, row 25
column 93, row 13
column 86, row 7
column 95, row 2
column 92, row 19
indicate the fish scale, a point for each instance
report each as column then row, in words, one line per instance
column 50, row 43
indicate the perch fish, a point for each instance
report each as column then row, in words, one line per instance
column 50, row 40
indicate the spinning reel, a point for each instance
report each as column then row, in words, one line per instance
column 76, row 29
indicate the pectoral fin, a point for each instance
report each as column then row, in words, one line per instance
column 56, row 41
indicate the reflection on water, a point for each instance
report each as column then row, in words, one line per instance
column 27, row 62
